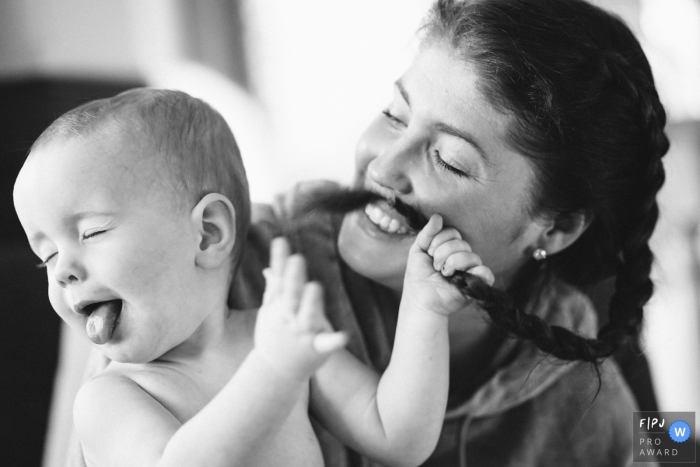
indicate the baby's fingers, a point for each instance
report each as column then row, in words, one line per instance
column 279, row 253
column 454, row 255
column 461, row 261
column 328, row 342
column 425, row 236
column 271, row 286
column 292, row 283
column 484, row 273
column 311, row 317
column 444, row 236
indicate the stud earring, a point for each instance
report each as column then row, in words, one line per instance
column 539, row 254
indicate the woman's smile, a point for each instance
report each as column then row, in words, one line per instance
column 386, row 219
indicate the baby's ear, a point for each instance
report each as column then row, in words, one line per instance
column 215, row 220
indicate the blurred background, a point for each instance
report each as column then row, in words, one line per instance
column 298, row 82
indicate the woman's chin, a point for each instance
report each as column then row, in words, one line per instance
column 373, row 253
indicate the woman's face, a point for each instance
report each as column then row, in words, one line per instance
column 441, row 148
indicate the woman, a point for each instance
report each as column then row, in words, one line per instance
column 534, row 129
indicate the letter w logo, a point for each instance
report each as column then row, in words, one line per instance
column 679, row 431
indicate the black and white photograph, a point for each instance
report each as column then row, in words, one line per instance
column 439, row 233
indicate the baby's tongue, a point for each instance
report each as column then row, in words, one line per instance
column 100, row 324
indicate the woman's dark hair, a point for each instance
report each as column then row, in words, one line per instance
column 588, row 117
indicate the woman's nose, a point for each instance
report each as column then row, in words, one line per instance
column 392, row 167
column 68, row 271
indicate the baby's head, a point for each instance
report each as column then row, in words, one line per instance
column 138, row 206
column 191, row 139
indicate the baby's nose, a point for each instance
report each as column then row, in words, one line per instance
column 67, row 271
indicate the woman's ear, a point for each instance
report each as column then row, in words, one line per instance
column 214, row 218
column 561, row 233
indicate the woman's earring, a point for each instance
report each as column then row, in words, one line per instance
column 539, row 254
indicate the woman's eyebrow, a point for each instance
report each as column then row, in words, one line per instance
column 445, row 128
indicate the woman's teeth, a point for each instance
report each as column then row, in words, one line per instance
column 385, row 222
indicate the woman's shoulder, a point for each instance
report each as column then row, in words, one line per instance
column 554, row 412
column 313, row 235
column 579, row 420
column 594, row 406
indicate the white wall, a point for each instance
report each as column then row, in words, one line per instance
column 66, row 37
column 322, row 70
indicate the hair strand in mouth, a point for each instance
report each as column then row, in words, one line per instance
column 344, row 200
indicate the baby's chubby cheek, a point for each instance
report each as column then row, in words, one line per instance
column 155, row 271
column 61, row 304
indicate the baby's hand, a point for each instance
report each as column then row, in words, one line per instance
column 435, row 255
column 291, row 331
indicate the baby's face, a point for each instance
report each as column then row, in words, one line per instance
column 102, row 219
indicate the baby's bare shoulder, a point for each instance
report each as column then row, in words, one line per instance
column 182, row 393
column 112, row 410
column 108, row 389
column 105, row 386
column 107, row 396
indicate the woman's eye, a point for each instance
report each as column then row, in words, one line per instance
column 392, row 117
column 45, row 262
column 441, row 163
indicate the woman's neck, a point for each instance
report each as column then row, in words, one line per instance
column 473, row 343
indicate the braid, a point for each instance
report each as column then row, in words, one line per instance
column 504, row 313
column 570, row 66
column 634, row 286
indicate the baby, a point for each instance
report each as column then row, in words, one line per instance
column 138, row 207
